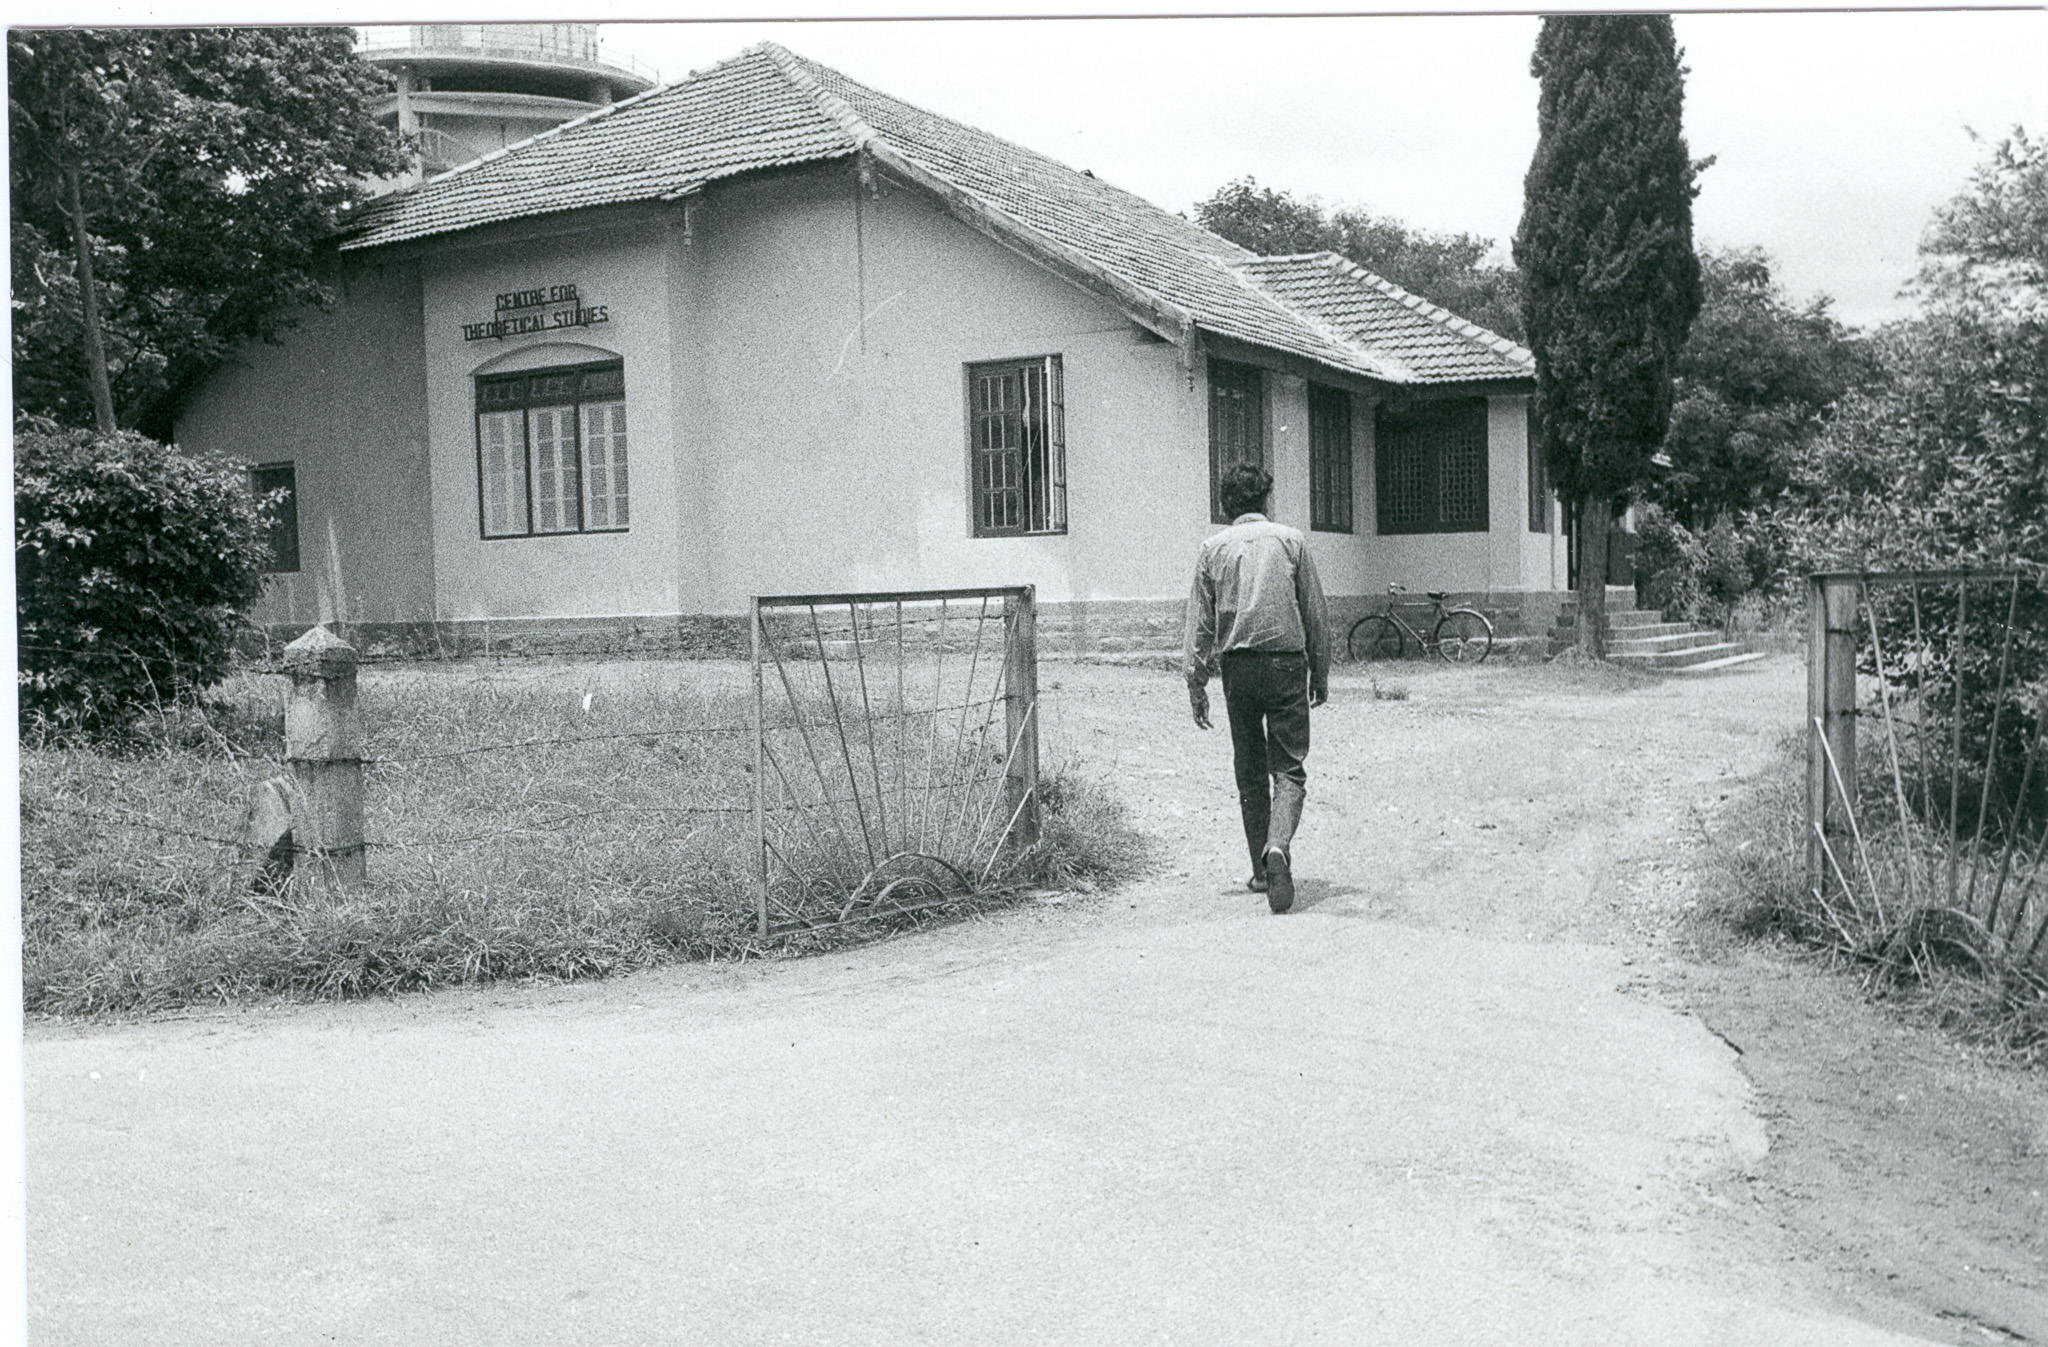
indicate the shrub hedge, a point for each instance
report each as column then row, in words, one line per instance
column 132, row 562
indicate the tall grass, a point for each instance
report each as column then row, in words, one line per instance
column 615, row 836
column 1885, row 909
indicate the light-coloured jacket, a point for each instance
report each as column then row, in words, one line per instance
column 1255, row 589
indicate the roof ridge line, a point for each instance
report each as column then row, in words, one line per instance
column 1436, row 313
column 595, row 114
column 831, row 104
column 797, row 67
column 1397, row 370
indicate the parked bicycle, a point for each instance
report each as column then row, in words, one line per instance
column 1460, row 635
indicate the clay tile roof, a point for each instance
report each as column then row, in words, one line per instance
column 1436, row 344
column 1158, row 252
column 767, row 108
column 737, row 117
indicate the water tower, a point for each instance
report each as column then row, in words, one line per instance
column 468, row 89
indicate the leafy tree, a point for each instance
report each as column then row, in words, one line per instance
column 1942, row 461
column 1755, row 383
column 1447, row 269
column 169, row 188
column 1610, row 282
column 132, row 563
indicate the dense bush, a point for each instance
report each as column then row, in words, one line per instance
column 132, row 564
column 1739, row 562
column 1670, row 565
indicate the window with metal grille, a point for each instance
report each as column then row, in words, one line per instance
column 551, row 451
column 1431, row 475
column 1017, row 448
column 1329, row 459
column 281, row 518
column 1539, row 478
column 1237, row 425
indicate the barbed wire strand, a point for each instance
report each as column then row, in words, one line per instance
column 29, row 809
column 671, row 731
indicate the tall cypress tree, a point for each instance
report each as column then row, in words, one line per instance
column 1610, row 282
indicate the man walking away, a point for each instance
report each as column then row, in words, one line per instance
column 1256, row 613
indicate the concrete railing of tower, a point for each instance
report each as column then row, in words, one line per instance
column 550, row 42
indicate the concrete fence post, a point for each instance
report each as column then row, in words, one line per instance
column 323, row 743
column 1020, row 712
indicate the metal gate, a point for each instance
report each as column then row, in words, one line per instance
column 895, row 750
column 1927, row 763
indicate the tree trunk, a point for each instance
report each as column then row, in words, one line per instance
column 1596, row 516
column 89, row 306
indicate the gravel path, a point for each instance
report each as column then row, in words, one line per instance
column 1445, row 1101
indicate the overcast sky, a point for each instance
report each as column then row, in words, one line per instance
column 1835, row 134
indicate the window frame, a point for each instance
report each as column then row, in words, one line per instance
column 1050, row 422
column 287, row 517
column 1235, row 375
column 1540, row 513
column 1332, row 487
column 574, row 408
column 1431, row 490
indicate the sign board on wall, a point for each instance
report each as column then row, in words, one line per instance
column 545, row 308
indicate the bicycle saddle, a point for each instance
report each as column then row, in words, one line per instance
column 1439, row 594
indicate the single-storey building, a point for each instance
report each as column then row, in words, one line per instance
column 768, row 330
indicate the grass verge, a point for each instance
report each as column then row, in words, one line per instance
column 1903, row 947
column 616, row 837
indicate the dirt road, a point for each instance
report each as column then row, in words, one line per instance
column 1452, row 1099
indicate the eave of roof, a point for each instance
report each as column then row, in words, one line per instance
column 1437, row 345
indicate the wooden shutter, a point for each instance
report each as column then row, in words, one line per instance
column 604, row 465
column 1329, row 452
column 501, row 457
column 1237, row 425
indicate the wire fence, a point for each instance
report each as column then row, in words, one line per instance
column 1927, row 766
column 636, row 778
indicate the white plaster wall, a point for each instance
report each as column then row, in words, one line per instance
column 1287, row 449
column 622, row 267
column 342, row 395
column 1507, row 486
column 831, row 453
column 1543, row 553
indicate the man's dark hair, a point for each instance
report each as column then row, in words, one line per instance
column 1244, row 489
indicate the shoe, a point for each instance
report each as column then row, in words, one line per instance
column 1257, row 883
column 1279, row 882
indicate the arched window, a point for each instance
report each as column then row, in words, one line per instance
column 551, row 451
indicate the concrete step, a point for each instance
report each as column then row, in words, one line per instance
column 1644, row 631
column 1631, row 625
column 1658, row 645
column 1725, row 662
column 1680, row 658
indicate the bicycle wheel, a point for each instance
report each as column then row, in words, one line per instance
column 1464, row 636
column 1374, row 637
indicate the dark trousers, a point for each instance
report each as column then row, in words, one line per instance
column 1267, row 697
